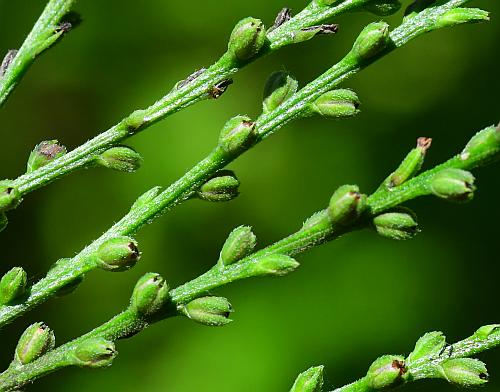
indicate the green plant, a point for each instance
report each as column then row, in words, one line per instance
column 432, row 358
column 349, row 210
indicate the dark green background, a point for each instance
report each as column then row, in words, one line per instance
column 351, row 300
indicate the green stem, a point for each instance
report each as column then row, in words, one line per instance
column 425, row 367
column 44, row 34
column 384, row 198
column 186, row 186
column 360, row 385
column 468, row 347
column 59, row 358
column 311, row 15
column 295, row 243
column 177, row 99
column 317, row 230
column 86, row 261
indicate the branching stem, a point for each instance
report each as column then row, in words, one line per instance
column 178, row 98
column 185, row 187
column 425, row 367
column 317, row 230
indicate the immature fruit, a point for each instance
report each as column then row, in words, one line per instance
column 247, row 39
column 465, row 372
column 346, row 205
column 237, row 135
column 12, row 285
column 211, row 311
column 398, row 224
column 411, row 164
column 150, row 294
column 483, row 147
column 240, row 243
column 458, row 16
column 120, row 158
column 275, row 265
column 118, row 254
column 341, row 103
column 371, row 41
column 34, row 342
column 309, row 381
column 94, row 353
column 386, row 372
column 279, row 87
column 453, row 185
column 222, row 186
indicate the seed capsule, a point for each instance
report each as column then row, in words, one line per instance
column 150, row 294
column 386, row 372
column 340, row 103
column 94, row 353
column 346, row 205
column 371, row 41
column 211, row 311
column 275, row 264
column 453, row 185
column 483, row 148
column 237, row 135
column 247, row 39
column 118, row 254
column 121, row 158
column 398, row 224
column 309, row 381
column 411, row 164
column 458, row 16
column 12, row 285
column 37, row 340
column 239, row 244
column 223, row 186
column 279, row 87
column 465, row 372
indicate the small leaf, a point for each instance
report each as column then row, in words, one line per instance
column 485, row 331
column 429, row 345
column 309, row 381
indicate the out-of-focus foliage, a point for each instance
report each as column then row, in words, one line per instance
column 127, row 54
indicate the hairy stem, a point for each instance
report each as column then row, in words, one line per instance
column 185, row 187
column 315, row 231
column 425, row 367
column 178, row 98
column 45, row 33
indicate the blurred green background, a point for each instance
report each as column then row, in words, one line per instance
column 352, row 300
